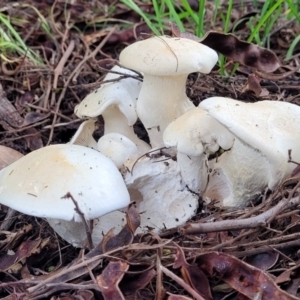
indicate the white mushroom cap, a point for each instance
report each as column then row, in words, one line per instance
column 271, row 127
column 36, row 183
column 118, row 148
column 196, row 132
column 166, row 63
column 116, row 102
column 165, row 56
column 196, row 135
column 122, row 93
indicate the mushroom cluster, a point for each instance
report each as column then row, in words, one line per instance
column 224, row 150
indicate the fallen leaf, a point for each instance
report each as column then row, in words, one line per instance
column 8, row 156
column 244, row 278
column 263, row 261
column 110, row 278
column 192, row 275
column 230, row 46
column 253, row 85
column 284, row 277
column 125, row 236
column 136, row 280
column 25, row 249
column 86, row 295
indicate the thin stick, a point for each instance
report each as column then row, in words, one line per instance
column 253, row 222
column 81, row 214
column 180, row 281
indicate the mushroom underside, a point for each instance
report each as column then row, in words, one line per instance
column 161, row 198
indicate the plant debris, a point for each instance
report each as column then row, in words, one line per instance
column 248, row 253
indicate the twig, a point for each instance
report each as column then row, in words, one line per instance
column 62, row 95
column 260, row 220
column 180, row 281
column 81, row 214
column 59, row 68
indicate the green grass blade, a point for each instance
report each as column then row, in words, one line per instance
column 134, row 7
column 263, row 19
column 174, row 15
column 290, row 52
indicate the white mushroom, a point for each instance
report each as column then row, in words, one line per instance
column 165, row 63
column 116, row 102
column 258, row 137
column 121, row 150
column 36, row 183
column 196, row 135
column 265, row 132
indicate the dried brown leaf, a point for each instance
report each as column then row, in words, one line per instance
column 284, row 277
column 230, row 46
column 125, row 236
column 134, row 282
column 243, row 52
column 296, row 171
column 8, row 156
column 253, row 85
column 244, row 278
column 25, row 249
column 192, row 275
column 86, row 295
column 110, row 278
column 263, row 261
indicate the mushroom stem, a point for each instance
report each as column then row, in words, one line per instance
column 194, row 171
column 162, row 100
column 237, row 176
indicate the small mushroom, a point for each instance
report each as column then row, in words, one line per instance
column 196, row 135
column 165, row 63
column 36, row 183
column 116, row 102
column 121, row 150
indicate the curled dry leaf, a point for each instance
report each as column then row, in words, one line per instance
column 253, row 84
column 263, row 261
column 8, row 156
column 243, row 52
column 86, row 294
column 125, row 236
column 25, row 249
column 235, row 49
column 136, row 280
column 110, row 278
column 246, row 279
column 296, row 171
column 192, row 275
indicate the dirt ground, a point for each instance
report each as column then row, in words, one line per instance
column 80, row 43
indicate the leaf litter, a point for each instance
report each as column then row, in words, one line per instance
column 250, row 253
